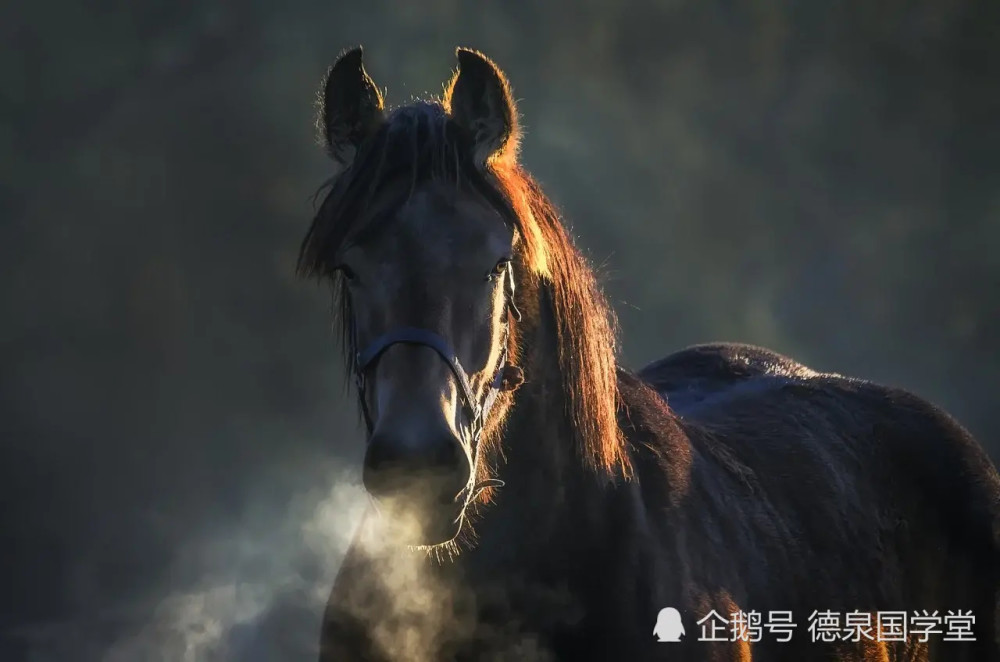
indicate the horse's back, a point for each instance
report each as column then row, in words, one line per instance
column 882, row 459
column 752, row 394
column 696, row 375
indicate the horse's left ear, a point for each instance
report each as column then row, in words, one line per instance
column 479, row 99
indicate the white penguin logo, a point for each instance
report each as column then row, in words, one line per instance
column 669, row 626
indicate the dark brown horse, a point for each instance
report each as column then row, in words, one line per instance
column 535, row 501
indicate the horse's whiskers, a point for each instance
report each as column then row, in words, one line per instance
column 478, row 488
column 489, row 482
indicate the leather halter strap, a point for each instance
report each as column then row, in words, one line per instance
column 477, row 412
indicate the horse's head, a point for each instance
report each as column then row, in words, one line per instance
column 422, row 249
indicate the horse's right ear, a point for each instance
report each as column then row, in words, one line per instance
column 350, row 107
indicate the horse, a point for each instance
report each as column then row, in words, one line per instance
column 532, row 499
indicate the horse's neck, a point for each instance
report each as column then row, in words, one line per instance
column 548, row 491
column 539, row 467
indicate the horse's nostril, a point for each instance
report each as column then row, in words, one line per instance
column 394, row 465
column 447, row 455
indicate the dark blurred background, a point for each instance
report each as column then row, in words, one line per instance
column 179, row 456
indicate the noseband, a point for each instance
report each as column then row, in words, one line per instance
column 477, row 412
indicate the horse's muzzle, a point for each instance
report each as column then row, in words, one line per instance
column 419, row 481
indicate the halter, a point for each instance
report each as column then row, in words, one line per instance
column 477, row 412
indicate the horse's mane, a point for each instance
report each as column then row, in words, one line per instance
column 421, row 142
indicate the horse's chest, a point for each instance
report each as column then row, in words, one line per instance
column 510, row 610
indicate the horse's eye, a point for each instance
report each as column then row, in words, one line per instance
column 347, row 273
column 498, row 270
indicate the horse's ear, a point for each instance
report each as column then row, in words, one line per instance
column 350, row 107
column 479, row 99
